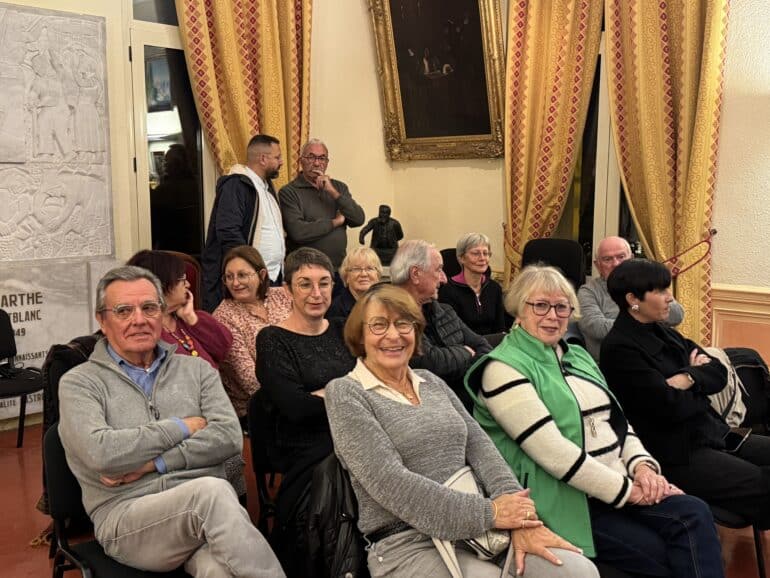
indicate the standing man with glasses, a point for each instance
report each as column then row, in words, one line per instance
column 146, row 434
column 597, row 308
column 246, row 212
column 317, row 209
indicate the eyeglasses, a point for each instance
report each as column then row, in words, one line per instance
column 542, row 308
column 359, row 270
column 182, row 279
column 480, row 254
column 314, row 158
column 241, row 276
column 620, row 257
column 306, row 286
column 149, row 309
column 380, row 325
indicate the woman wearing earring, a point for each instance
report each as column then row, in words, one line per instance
column 194, row 332
column 249, row 305
column 663, row 381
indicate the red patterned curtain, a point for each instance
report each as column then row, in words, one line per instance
column 249, row 65
column 552, row 51
column 666, row 68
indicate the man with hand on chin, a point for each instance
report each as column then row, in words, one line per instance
column 317, row 209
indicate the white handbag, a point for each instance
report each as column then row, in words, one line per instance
column 487, row 545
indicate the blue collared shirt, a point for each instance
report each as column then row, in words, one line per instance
column 145, row 378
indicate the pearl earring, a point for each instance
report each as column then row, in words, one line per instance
column 635, row 307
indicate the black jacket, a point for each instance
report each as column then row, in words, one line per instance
column 443, row 347
column 232, row 223
column 636, row 359
column 485, row 315
column 335, row 545
column 342, row 305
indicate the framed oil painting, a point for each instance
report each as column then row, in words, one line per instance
column 441, row 65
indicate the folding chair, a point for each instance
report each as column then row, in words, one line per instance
column 735, row 521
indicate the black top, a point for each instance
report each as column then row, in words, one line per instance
column 342, row 305
column 289, row 367
column 485, row 315
column 636, row 359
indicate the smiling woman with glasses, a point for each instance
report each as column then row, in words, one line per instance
column 296, row 358
column 360, row 269
column 401, row 433
column 249, row 305
column 548, row 408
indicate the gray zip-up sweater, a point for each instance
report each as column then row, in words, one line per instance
column 108, row 426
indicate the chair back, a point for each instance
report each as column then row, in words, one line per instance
column 7, row 338
column 259, row 421
column 65, row 499
column 565, row 254
column 452, row 266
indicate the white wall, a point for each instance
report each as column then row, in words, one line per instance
column 742, row 210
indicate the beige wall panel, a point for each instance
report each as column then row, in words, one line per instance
column 742, row 317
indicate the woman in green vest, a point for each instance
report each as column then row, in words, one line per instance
column 547, row 408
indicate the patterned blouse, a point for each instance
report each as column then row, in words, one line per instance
column 238, row 370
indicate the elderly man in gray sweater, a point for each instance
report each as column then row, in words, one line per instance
column 146, row 433
column 597, row 309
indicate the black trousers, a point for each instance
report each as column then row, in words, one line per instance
column 737, row 482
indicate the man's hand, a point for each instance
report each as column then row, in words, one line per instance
column 319, row 392
column 338, row 220
column 323, row 182
column 129, row 477
column 195, row 424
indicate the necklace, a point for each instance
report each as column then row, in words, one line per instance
column 184, row 340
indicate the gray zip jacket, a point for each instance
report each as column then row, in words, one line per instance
column 108, row 426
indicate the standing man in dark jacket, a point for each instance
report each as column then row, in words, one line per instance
column 245, row 212
column 449, row 346
column 317, row 209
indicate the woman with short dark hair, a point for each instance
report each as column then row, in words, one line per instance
column 663, row 381
column 296, row 358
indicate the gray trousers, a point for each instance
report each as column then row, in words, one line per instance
column 199, row 524
column 411, row 554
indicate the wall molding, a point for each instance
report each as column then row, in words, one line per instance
column 741, row 317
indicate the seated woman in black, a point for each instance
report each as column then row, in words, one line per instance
column 663, row 381
column 476, row 297
column 295, row 360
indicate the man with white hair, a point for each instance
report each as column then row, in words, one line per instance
column 449, row 346
column 317, row 209
column 598, row 310
column 146, row 433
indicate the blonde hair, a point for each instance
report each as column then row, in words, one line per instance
column 365, row 254
column 536, row 278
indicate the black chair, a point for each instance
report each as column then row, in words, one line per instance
column 65, row 504
column 736, row 522
column 452, row 266
column 259, row 436
column 15, row 381
column 564, row 254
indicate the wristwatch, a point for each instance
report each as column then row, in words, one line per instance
column 690, row 379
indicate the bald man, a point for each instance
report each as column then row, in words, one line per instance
column 597, row 308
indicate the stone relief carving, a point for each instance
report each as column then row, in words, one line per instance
column 54, row 154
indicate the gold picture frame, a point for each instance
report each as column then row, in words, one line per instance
column 441, row 67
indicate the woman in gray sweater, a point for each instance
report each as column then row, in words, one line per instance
column 401, row 434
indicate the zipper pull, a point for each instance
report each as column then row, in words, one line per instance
column 154, row 411
column 592, row 424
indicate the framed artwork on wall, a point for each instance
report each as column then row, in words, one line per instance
column 441, row 67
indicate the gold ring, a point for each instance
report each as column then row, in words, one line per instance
column 529, row 515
